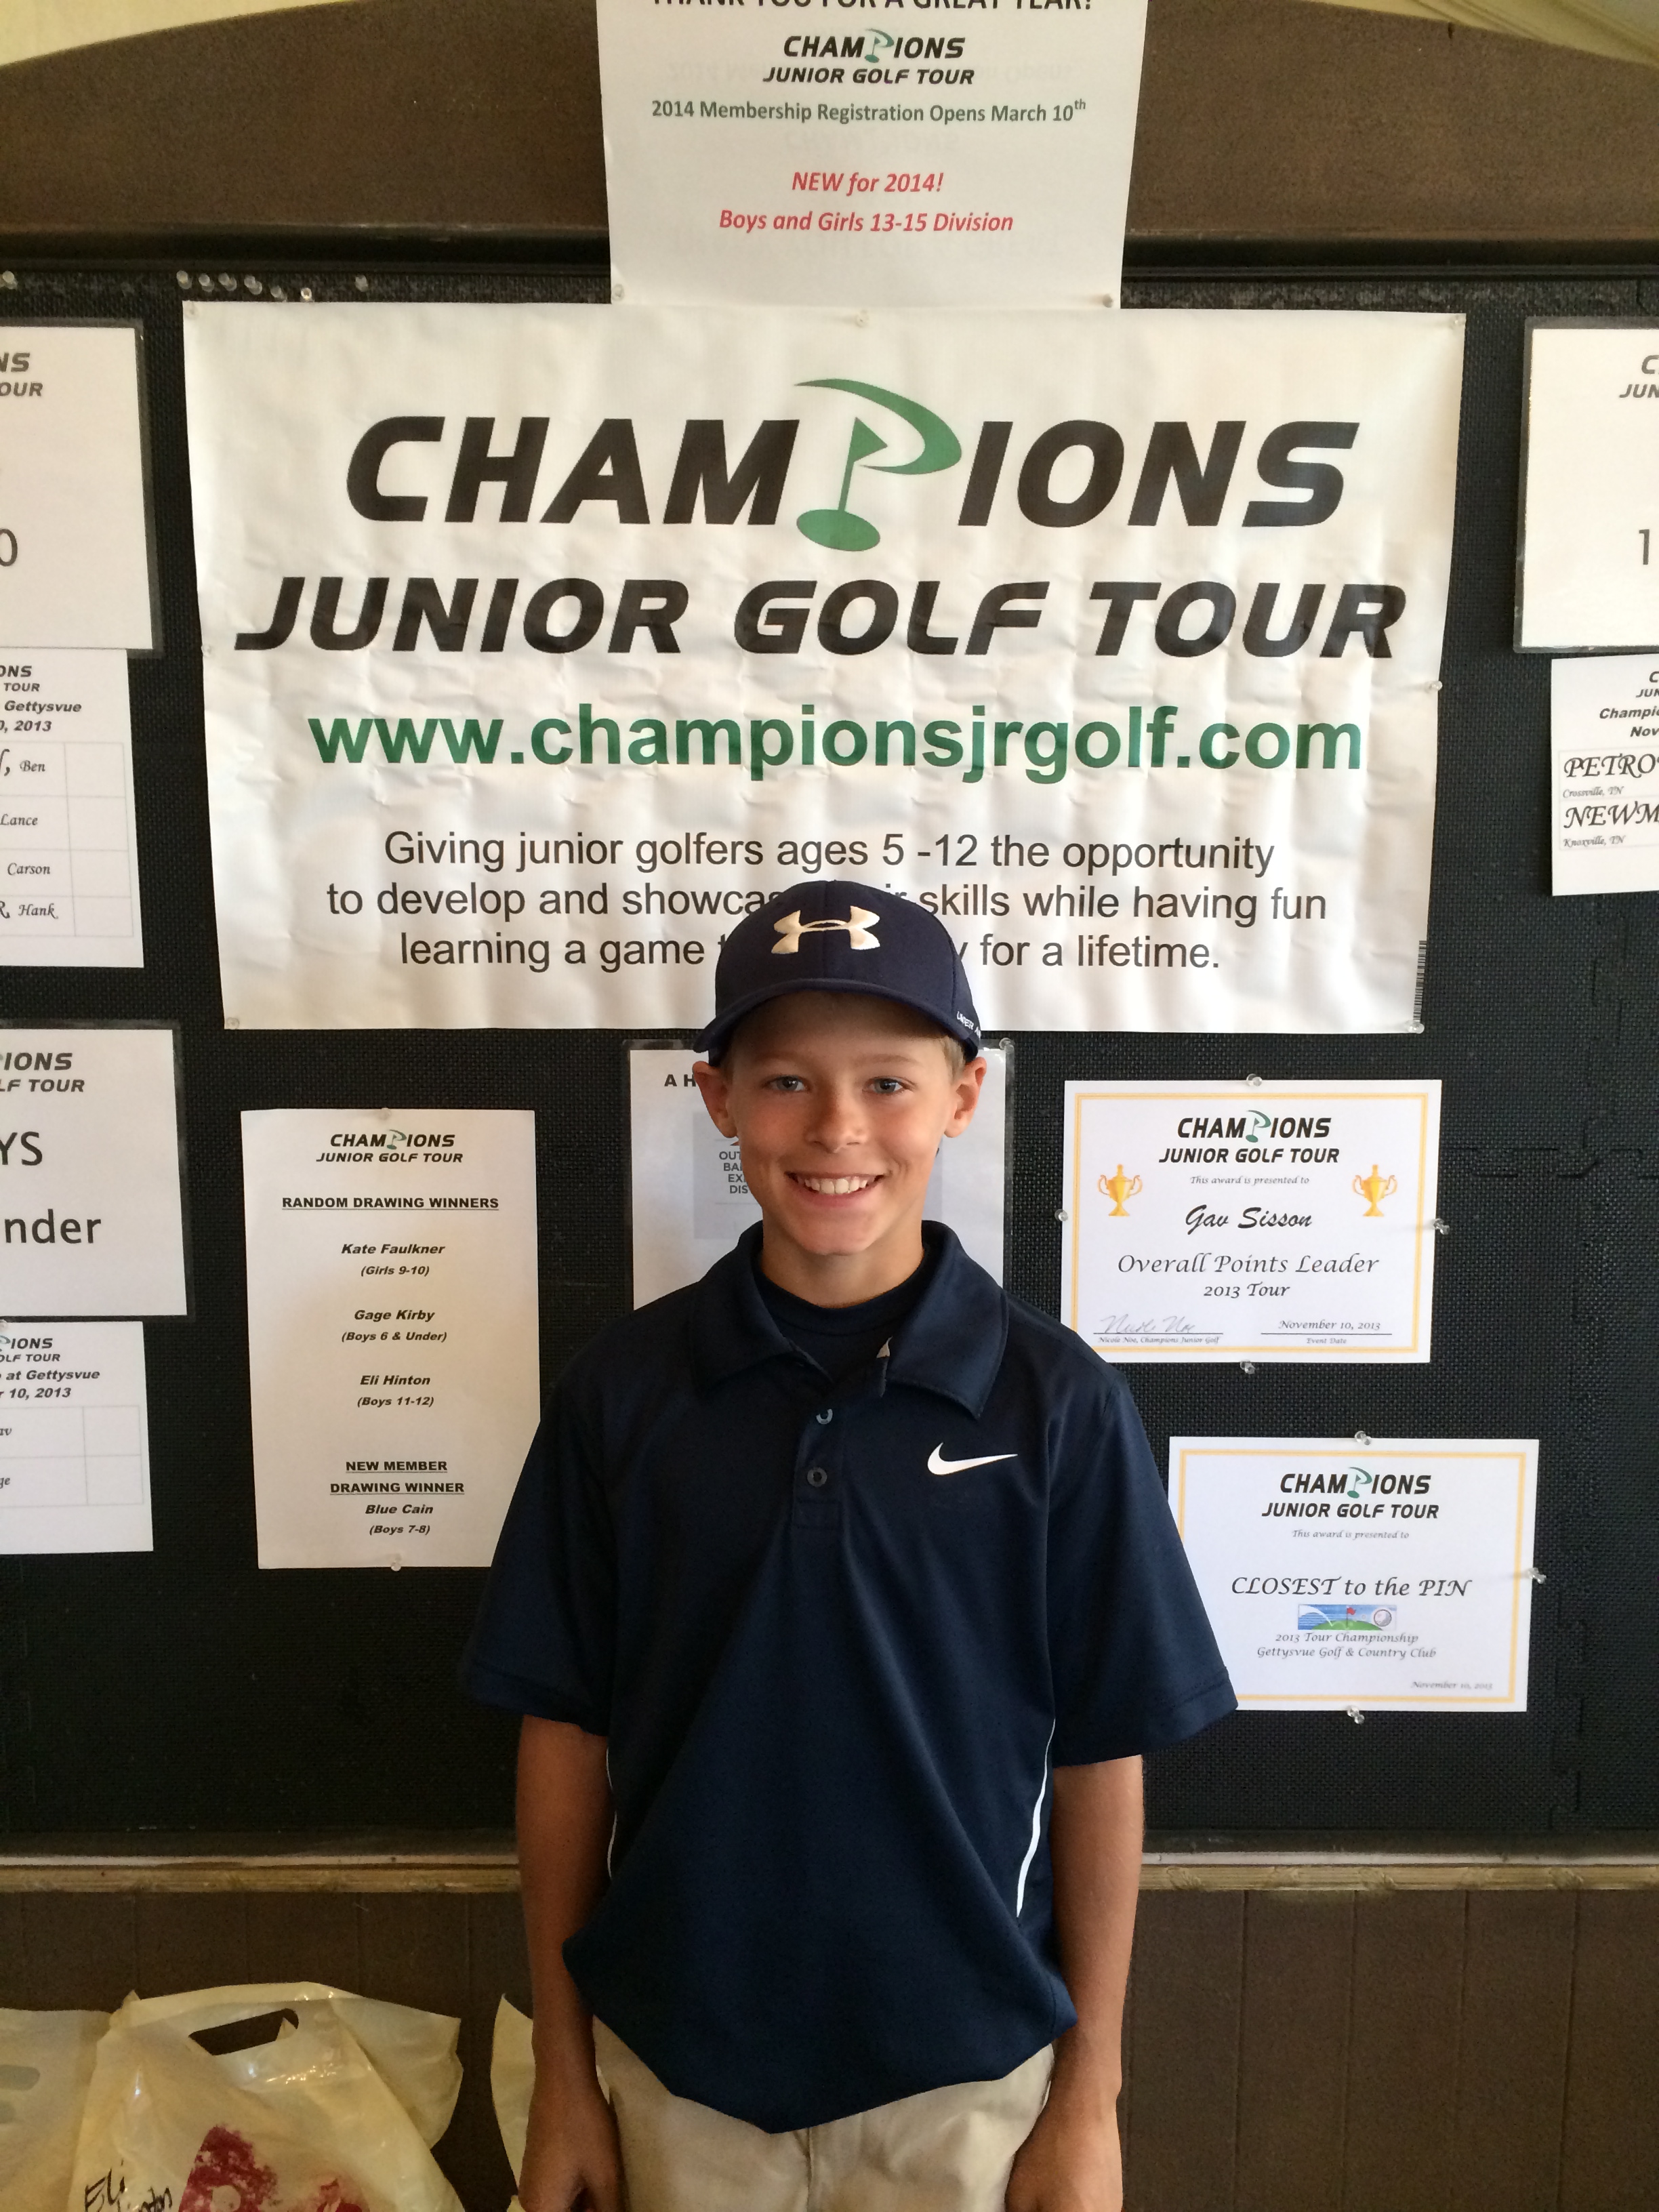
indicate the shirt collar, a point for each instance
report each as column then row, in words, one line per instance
column 951, row 1342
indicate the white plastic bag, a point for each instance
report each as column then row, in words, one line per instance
column 331, row 2109
column 511, row 2078
column 46, row 2063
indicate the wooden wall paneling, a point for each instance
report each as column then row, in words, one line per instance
column 299, row 1936
column 1610, row 2137
column 190, row 1942
column 498, row 1967
column 414, row 1952
column 1181, row 2112
column 1512, row 2061
column 13, row 1964
column 414, row 1948
column 1270, row 121
column 1125, row 2092
column 80, row 1952
column 1402, row 2051
column 1293, row 2049
column 500, row 1962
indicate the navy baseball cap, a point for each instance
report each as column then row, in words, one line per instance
column 841, row 937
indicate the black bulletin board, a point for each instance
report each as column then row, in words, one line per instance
column 186, row 1690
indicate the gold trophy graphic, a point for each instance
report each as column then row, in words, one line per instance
column 1117, row 1188
column 1374, row 1188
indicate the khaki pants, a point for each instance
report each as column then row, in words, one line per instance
column 946, row 2150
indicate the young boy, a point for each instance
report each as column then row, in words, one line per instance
column 841, row 1598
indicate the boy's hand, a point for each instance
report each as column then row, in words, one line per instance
column 572, row 2159
column 1070, row 2162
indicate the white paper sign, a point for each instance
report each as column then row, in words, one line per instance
column 691, row 1203
column 74, row 1438
column 391, row 1331
column 1386, row 1575
column 1290, row 1220
column 917, row 157
column 69, row 865
column 1604, row 774
column 91, row 1222
column 1590, row 523
column 878, row 597
column 74, row 557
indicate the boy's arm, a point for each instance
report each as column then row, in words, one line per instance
column 571, row 2156
column 1072, row 2160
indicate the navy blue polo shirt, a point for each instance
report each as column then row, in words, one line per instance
column 838, row 1636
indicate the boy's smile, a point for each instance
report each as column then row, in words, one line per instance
column 838, row 1102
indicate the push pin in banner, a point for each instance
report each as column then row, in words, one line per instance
column 1362, row 1440
column 1355, row 1716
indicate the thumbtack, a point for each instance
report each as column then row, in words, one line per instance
column 1355, row 1716
column 251, row 284
column 1532, row 1575
column 1362, row 1440
column 615, row 291
column 1060, row 1214
column 305, row 291
column 8, row 278
column 1441, row 1228
column 1247, row 1366
column 1252, row 1083
column 227, row 282
column 182, row 278
column 361, row 283
column 1414, row 1028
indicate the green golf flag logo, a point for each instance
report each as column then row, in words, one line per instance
column 838, row 527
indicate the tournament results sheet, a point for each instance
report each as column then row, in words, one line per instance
column 74, row 1438
column 1288, row 1220
column 391, row 1331
column 69, row 865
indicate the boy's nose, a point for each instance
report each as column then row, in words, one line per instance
column 838, row 1123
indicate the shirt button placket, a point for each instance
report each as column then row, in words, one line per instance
column 816, row 1503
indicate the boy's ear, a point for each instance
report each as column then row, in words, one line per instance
column 716, row 1096
column 968, row 1088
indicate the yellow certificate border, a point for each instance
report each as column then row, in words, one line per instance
column 1388, row 1452
column 1133, row 1351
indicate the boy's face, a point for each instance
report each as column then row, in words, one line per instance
column 838, row 1102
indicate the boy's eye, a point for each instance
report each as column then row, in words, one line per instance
column 786, row 1083
column 888, row 1085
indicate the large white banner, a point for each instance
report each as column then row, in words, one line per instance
column 541, row 643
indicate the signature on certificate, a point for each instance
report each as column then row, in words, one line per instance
column 1119, row 1327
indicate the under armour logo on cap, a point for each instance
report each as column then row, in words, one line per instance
column 861, row 934
column 850, row 937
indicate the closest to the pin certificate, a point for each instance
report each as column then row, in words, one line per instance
column 1294, row 1220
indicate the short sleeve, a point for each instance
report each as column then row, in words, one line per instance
column 544, row 1639
column 1136, row 1663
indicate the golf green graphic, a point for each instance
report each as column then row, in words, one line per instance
column 838, row 527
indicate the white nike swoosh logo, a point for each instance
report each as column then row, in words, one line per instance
column 938, row 1465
